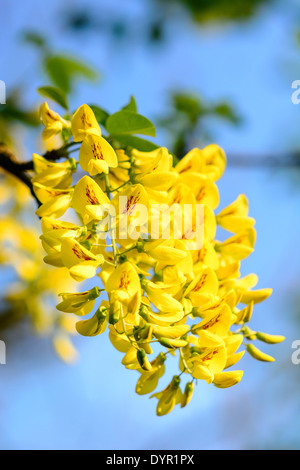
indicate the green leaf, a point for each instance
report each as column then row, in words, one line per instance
column 63, row 70
column 225, row 111
column 35, row 39
column 54, row 94
column 189, row 104
column 100, row 114
column 131, row 106
column 136, row 142
column 298, row 38
column 12, row 113
column 128, row 122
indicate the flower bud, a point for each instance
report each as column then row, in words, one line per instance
column 227, row 379
column 114, row 312
column 259, row 355
column 87, row 244
column 144, row 312
column 143, row 360
column 187, row 395
column 269, row 339
column 172, row 343
column 102, row 313
column 249, row 334
column 140, row 246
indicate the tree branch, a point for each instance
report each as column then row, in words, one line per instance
column 9, row 163
column 288, row 160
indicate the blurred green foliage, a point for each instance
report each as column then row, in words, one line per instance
column 220, row 10
column 157, row 14
column 187, row 122
column 62, row 73
column 54, row 94
column 13, row 113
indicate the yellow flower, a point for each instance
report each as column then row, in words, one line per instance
column 212, row 361
column 96, row 155
column 80, row 303
column 269, row 339
column 203, row 188
column 95, row 325
column 227, row 379
column 148, row 380
column 47, row 193
column 258, row 354
column 193, row 162
column 159, row 174
column 255, row 296
column 187, row 395
column 239, row 246
column 232, row 343
column 52, row 121
column 124, row 282
column 215, row 161
column 218, row 322
column 167, row 279
column 165, row 255
column 172, row 332
column 56, row 206
column 65, row 349
column 168, row 398
column 210, row 161
column 204, row 285
column 81, row 263
column 235, row 217
column 53, row 174
column 88, row 193
column 84, row 123
column 163, row 301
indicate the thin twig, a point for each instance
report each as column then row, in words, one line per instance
column 9, row 163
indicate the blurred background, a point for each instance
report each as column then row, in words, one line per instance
column 203, row 71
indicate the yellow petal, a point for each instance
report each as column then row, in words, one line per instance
column 65, row 349
column 87, row 192
column 84, row 123
column 258, row 354
column 228, row 379
column 91, row 327
column 255, row 296
column 217, row 322
column 97, row 155
column 124, row 278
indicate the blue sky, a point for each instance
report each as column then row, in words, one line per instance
column 45, row 404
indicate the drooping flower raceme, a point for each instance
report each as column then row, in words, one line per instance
column 145, row 234
column 33, row 294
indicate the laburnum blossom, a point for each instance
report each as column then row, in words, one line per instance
column 52, row 121
column 34, row 294
column 156, row 296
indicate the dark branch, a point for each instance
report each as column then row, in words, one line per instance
column 289, row 160
column 9, row 163
column 51, row 156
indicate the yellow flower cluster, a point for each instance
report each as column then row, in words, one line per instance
column 164, row 294
column 33, row 293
